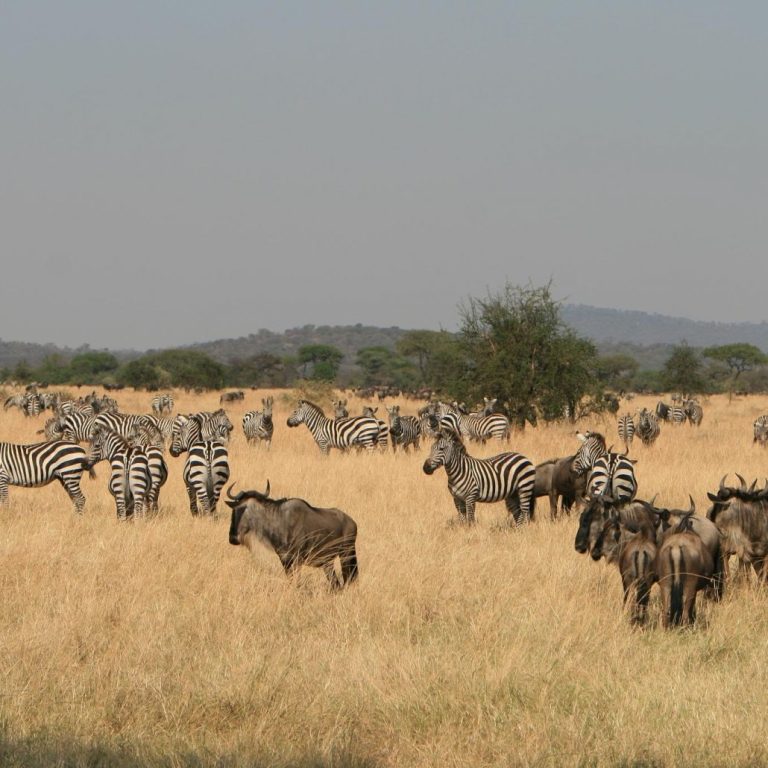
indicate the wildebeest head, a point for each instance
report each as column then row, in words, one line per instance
column 591, row 522
column 239, row 529
column 447, row 445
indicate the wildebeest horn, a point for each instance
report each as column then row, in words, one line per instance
column 229, row 493
column 693, row 505
column 743, row 482
column 266, row 493
column 722, row 483
column 653, row 500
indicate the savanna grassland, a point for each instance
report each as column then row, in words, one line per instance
column 158, row 643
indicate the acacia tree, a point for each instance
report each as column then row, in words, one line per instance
column 738, row 358
column 320, row 361
column 682, row 371
column 519, row 350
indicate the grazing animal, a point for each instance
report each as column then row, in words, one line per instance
column 152, row 440
column 231, row 397
column 131, row 479
column 556, row 479
column 635, row 556
column 297, row 532
column 162, row 405
column 626, row 428
column 507, row 476
column 683, row 566
column 383, row 438
column 258, row 426
column 609, row 473
column 358, row 431
column 206, row 469
column 340, row 409
column 741, row 516
column 476, row 427
column 647, row 427
column 404, row 430
column 31, row 466
column 760, row 430
column 694, row 412
column 594, row 516
column 662, row 410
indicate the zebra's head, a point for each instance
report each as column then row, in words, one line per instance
column 177, row 435
column 303, row 410
column 592, row 448
column 97, row 448
column 267, row 403
column 444, row 449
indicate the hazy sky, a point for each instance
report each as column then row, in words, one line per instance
column 181, row 171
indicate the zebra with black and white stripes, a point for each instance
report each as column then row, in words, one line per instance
column 404, row 430
column 78, row 426
column 760, row 430
column 206, row 469
column 340, row 409
column 610, row 474
column 37, row 464
column 152, row 440
column 677, row 414
column 648, row 428
column 475, row 426
column 508, row 476
column 258, row 426
column 626, row 429
column 383, row 439
column 693, row 412
column 162, row 405
column 131, row 479
column 359, row 431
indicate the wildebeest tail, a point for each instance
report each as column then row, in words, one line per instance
column 677, row 562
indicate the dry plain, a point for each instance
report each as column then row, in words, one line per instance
column 158, row 643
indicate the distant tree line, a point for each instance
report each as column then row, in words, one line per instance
column 512, row 345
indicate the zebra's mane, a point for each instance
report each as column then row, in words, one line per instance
column 312, row 405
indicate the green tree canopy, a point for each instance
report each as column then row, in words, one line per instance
column 437, row 356
column 88, row 367
column 382, row 366
column 320, row 361
column 682, row 371
column 738, row 357
column 518, row 349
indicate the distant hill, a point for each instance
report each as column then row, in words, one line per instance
column 647, row 337
column 642, row 328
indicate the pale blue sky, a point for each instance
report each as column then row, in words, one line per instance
column 180, row 171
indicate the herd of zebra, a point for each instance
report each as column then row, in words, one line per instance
column 645, row 424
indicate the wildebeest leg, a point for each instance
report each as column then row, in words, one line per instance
column 553, row 504
column 290, row 565
column 461, row 507
column 349, row 569
column 332, row 576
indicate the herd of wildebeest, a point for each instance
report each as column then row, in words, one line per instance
column 681, row 551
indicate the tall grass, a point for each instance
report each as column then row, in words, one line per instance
column 158, row 643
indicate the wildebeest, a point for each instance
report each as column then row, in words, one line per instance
column 297, row 532
column 596, row 513
column 231, row 397
column 741, row 516
column 557, row 479
column 635, row 555
column 683, row 566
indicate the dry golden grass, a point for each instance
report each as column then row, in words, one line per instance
column 158, row 643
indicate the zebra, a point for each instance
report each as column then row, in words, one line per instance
column 53, row 429
column 340, row 409
column 662, row 410
column 610, row 474
column 152, row 440
column 405, row 430
column 131, row 480
column 647, row 427
column 760, row 428
column 77, row 426
column 677, row 414
column 162, row 405
column 207, row 467
column 383, row 439
column 626, row 430
column 28, row 403
column 122, row 423
column 357, row 431
column 476, row 427
column 508, row 476
column 428, row 421
column 257, row 425
column 36, row 464
column 213, row 425
column 694, row 412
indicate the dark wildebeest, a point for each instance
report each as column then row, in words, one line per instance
column 596, row 513
column 555, row 478
column 741, row 516
column 706, row 530
column 299, row 533
column 635, row 548
column 683, row 567
column 231, row 397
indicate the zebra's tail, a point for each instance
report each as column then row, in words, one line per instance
column 89, row 465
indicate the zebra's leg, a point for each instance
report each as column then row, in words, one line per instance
column 192, row 500
column 514, row 508
column 72, row 486
column 461, row 508
column 3, row 487
column 203, row 502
